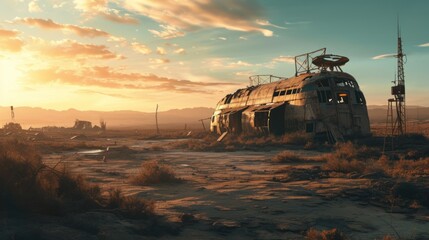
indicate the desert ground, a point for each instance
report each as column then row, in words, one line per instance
column 252, row 190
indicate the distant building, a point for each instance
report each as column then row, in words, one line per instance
column 81, row 125
column 12, row 127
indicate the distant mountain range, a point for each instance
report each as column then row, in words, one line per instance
column 39, row 117
column 378, row 114
column 175, row 118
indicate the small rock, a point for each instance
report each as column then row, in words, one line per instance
column 187, row 218
column 223, row 226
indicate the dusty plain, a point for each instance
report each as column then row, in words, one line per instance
column 223, row 192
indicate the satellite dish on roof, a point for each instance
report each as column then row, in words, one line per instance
column 329, row 61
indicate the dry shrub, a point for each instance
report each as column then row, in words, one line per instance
column 27, row 184
column 296, row 138
column 152, row 172
column 287, row 157
column 345, row 166
column 410, row 168
column 130, row 206
column 333, row 234
column 348, row 157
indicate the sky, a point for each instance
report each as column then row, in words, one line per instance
column 134, row 54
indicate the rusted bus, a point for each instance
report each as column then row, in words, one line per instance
column 322, row 103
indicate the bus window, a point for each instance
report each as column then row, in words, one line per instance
column 342, row 98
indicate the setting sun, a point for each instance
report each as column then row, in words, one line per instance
column 9, row 79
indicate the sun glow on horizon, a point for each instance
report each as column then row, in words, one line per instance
column 10, row 75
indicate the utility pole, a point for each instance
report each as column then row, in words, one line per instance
column 156, row 119
column 12, row 114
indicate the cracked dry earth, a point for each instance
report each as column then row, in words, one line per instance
column 244, row 195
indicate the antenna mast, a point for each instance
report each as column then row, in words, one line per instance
column 398, row 91
column 396, row 123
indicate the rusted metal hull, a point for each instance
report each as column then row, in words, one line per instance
column 327, row 102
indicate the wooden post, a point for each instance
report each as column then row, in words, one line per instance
column 202, row 122
column 156, row 119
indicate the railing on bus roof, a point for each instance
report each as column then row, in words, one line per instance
column 304, row 62
column 263, row 79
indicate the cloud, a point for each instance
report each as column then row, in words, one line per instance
column 111, row 78
column 161, row 51
column 49, row 24
column 267, row 23
column 90, row 5
column 72, row 49
column 159, row 60
column 86, row 91
column 384, row 56
column 244, row 74
column 8, row 33
column 180, row 51
column 114, row 16
column 59, row 5
column 241, row 64
column 286, row 59
column 226, row 63
column 33, row 6
column 140, row 48
column 9, row 41
column 424, row 45
column 93, row 8
column 293, row 23
column 167, row 32
column 177, row 17
column 190, row 15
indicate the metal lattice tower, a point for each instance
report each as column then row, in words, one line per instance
column 396, row 122
column 398, row 91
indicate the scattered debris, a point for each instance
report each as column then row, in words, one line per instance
column 222, row 136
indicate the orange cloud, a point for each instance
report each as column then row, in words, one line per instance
column 107, row 77
column 167, row 32
column 176, row 17
column 140, row 48
column 49, row 24
column 9, row 41
column 73, row 49
column 114, row 16
column 286, row 59
column 190, row 14
column 99, row 7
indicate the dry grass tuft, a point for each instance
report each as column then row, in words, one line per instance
column 152, row 172
column 409, row 169
column 287, row 157
column 333, row 234
column 348, row 157
column 344, row 166
column 26, row 184
column 130, row 206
